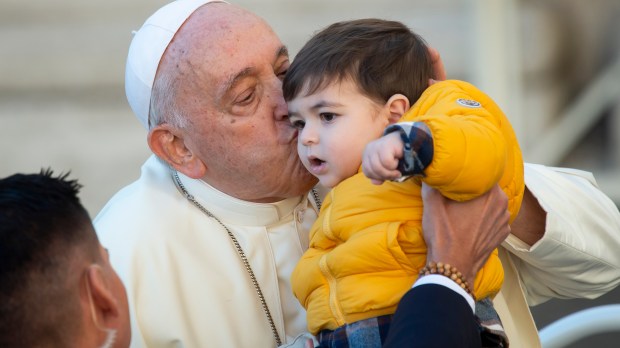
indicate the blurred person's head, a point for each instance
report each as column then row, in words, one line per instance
column 206, row 78
column 57, row 287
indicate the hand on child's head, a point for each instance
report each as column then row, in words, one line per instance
column 439, row 71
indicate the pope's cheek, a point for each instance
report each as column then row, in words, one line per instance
column 286, row 134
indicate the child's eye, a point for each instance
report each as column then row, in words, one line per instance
column 298, row 124
column 327, row 116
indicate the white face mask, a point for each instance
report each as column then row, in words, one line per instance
column 110, row 338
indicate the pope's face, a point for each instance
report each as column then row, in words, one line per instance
column 238, row 117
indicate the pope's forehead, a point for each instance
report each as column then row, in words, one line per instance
column 215, row 20
column 219, row 31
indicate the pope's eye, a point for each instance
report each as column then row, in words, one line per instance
column 245, row 98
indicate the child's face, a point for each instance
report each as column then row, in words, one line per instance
column 335, row 124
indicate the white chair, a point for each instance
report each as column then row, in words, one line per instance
column 581, row 324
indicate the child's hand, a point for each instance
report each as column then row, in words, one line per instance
column 380, row 158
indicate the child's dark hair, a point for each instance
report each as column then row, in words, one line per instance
column 381, row 57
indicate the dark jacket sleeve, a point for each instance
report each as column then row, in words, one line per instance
column 432, row 315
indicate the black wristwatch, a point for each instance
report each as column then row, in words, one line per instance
column 417, row 148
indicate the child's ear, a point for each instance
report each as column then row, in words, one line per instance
column 397, row 105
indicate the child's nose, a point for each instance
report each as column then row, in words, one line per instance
column 308, row 136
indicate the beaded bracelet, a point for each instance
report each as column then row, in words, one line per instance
column 448, row 271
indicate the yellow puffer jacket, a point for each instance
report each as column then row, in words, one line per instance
column 366, row 247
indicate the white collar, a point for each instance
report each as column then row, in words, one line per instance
column 236, row 211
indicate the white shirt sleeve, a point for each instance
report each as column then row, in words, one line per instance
column 579, row 255
column 445, row 281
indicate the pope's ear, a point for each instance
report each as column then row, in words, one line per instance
column 167, row 142
column 397, row 105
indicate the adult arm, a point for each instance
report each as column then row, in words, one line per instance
column 433, row 315
column 566, row 239
column 462, row 234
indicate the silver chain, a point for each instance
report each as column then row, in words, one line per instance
column 240, row 252
column 317, row 200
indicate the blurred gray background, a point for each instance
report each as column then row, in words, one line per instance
column 552, row 65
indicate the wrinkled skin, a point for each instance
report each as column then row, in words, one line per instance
column 239, row 138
